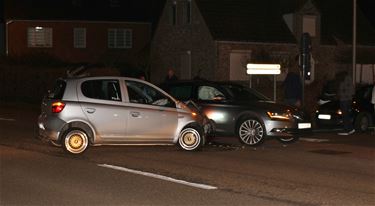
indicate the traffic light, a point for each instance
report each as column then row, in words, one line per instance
column 305, row 52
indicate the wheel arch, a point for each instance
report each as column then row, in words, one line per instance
column 81, row 125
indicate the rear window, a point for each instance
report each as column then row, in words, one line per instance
column 102, row 89
column 57, row 91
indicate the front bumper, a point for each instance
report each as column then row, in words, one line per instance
column 277, row 128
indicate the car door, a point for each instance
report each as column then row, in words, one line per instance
column 213, row 104
column 101, row 101
column 152, row 114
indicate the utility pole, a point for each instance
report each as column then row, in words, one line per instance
column 354, row 41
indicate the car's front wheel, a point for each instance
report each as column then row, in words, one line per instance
column 287, row 140
column 362, row 122
column 75, row 141
column 251, row 131
column 190, row 139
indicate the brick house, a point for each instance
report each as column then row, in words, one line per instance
column 77, row 41
column 215, row 39
column 79, row 30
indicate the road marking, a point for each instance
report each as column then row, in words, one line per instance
column 6, row 119
column 313, row 140
column 161, row 177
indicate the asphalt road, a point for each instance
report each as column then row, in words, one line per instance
column 322, row 169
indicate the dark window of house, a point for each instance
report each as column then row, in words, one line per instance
column 173, row 13
column 102, row 89
column 114, row 3
column 120, row 38
column 79, row 37
column 188, row 12
column 77, row 3
column 39, row 36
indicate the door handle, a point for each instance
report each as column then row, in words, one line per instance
column 135, row 114
column 90, row 110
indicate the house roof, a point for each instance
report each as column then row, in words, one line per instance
column 262, row 21
column 87, row 10
column 244, row 20
column 337, row 22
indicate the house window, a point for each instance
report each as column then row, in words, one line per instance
column 39, row 37
column 114, row 3
column 120, row 38
column 309, row 25
column 173, row 14
column 77, row 3
column 79, row 37
column 187, row 12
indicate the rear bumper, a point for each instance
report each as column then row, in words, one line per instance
column 49, row 128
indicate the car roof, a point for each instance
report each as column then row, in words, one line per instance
column 201, row 81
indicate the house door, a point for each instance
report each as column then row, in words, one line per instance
column 238, row 62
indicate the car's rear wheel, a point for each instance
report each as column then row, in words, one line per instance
column 190, row 139
column 362, row 122
column 251, row 131
column 75, row 141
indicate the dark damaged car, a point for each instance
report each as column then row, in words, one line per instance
column 241, row 111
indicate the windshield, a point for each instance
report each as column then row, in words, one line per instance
column 238, row 92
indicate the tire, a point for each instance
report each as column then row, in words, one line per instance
column 75, row 141
column 190, row 139
column 251, row 131
column 362, row 122
column 287, row 140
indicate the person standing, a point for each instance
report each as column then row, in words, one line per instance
column 293, row 89
column 171, row 76
column 345, row 94
column 373, row 96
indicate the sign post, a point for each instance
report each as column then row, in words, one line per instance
column 265, row 69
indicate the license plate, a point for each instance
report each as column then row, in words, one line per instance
column 304, row 125
column 324, row 116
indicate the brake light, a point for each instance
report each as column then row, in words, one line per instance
column 57, row 107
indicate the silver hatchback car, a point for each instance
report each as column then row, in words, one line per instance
column 79, row 112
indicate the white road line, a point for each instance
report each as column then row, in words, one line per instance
column 314, row 140
column 161, row 177
column 6, row 119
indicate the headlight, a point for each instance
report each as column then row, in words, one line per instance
column 281, row 116
column 339, row 112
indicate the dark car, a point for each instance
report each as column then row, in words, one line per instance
column 329, row 115
column 241, row 111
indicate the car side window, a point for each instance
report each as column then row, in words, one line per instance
column 182, row 93
column 102, row 89
column 208, row 93
column 58, row 90
column 144, row 94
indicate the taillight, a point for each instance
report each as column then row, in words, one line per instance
column 57, row 107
